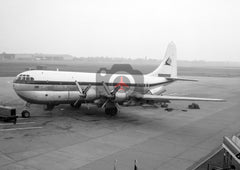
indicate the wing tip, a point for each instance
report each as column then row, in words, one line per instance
column 222, row 100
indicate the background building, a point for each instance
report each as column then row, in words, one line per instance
column 22, row 56
column 5, row 56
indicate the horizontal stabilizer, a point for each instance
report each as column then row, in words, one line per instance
column 168, row 98
column 180, row 79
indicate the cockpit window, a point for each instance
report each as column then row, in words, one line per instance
column 27, row 77
column 24, row 77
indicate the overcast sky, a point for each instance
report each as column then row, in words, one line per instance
column 201, row 30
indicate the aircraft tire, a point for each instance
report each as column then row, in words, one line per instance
column 49, row 107
column 112, row 111
column 164, row 105
column 76, row 106
column 25, row 114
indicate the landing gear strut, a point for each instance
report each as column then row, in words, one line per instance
column 111, row 111
column 25, row 113
column 49, row 107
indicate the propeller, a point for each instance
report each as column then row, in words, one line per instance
column 82, row 93
column 110, row 94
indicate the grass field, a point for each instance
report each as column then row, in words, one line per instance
column 12, row 68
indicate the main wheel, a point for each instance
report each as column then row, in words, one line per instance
column 164, row 105
column 49, row 107
column 78, row 105
column 112, row 111
column 25, row 114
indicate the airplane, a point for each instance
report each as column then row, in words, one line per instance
column 51, row 88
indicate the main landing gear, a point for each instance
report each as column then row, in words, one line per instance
column 49, row 107
column 78, row 105
column 111, row 111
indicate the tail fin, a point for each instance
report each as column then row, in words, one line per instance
column 168, row 66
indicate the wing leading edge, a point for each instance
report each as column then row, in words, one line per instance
column 180, row 79
column 167, row 98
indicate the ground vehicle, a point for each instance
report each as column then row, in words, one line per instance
column 8, row 113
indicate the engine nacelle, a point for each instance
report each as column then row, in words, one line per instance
column 91, row 94
column 157, row 90
column 120, row 96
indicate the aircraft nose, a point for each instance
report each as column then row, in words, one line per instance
column 14, row 81
column 14, row 84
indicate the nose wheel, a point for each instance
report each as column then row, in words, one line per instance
column 25, row 114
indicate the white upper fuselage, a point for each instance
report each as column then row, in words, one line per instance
column 43, row 87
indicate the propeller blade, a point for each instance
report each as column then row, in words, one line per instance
column 105, row 103
column 117, row 105
column 86, row 89
column 106, row 88
column 116, row 90
column 79, row 88
column 76, row 102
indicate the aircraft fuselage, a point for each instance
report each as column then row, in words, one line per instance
column 58, row 87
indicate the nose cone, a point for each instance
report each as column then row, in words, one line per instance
column 22, row 85
column 21, row 91
column 16, row 82
column 14, row 85
column 16, row 88
column 19, row 87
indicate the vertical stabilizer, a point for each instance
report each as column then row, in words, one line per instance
column 168, row 66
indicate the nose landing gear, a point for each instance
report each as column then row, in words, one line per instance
column 25, row 114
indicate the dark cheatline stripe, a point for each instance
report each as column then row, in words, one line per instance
column 36, row 82
column 164, row 75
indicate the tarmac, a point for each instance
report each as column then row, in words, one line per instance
column 87, row 139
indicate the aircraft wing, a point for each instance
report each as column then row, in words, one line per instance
column 179, row 79
column 168, row 98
